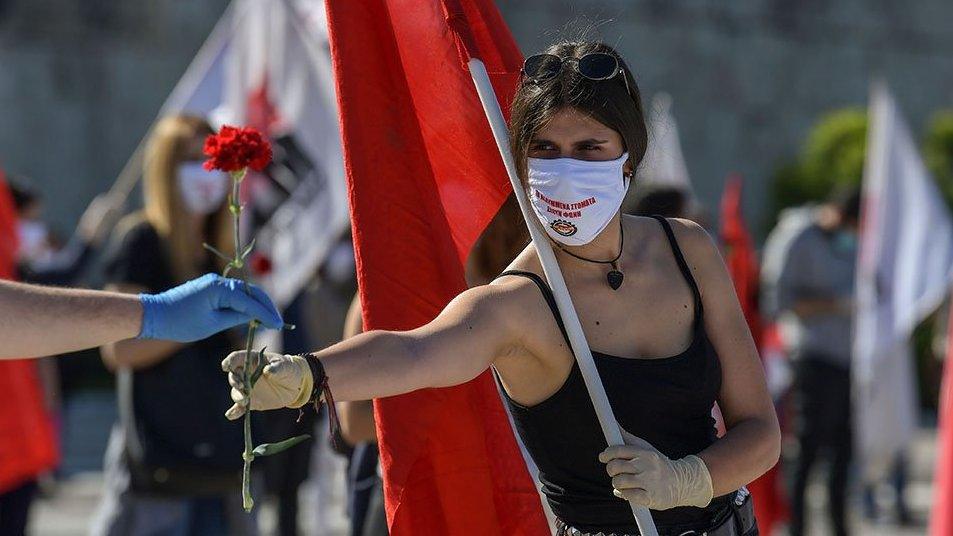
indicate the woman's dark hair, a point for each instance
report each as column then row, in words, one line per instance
column 607, row 101
column 846, row 199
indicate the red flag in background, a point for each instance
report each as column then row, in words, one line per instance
column 941, row 517
column 769, row 505
column 27, row 440
column 740, row 255
column 424, row 179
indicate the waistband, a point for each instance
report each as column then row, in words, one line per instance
column 738, row 520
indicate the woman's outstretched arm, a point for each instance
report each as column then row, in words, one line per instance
column 452, row 349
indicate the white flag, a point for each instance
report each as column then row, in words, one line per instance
column 903, row 273
column 663, row 162
column 267, row 65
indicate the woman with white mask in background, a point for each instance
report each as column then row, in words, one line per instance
column 172, row 466
column 656, row 304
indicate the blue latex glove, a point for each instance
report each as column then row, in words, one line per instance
column 203, row 307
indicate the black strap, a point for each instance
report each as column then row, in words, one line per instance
column 682, row 265
column 547, row 295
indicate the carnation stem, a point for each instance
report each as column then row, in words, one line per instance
column 235, row 207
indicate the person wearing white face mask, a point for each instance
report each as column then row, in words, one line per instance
column 172, row 466
column 202, row 191
column 656, row 304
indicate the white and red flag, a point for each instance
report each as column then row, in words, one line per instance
column 904, row 270
column 266, row 65
column 424, row 180
column 664, row 162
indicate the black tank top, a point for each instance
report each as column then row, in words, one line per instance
column 667, row 402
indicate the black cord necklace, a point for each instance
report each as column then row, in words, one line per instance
column 614, row 277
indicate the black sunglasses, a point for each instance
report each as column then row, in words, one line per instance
column 593, row 66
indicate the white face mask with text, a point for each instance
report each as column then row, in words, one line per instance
column 576, row 199
column 202, row 191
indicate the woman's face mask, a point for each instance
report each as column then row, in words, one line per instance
column 576, row 199
column 202, row 191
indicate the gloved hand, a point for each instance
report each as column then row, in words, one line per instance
column 202, row 307
column 285, row 382
column 643, row 475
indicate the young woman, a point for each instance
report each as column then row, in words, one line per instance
column 172, row 467
column 656, row 304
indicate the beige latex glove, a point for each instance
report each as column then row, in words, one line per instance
column 643, row 475
column 285, row 382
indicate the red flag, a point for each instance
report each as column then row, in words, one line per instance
column 27, row 440
column 424, row 179
column 941, row 518
column 742, row 264
column 739, row 254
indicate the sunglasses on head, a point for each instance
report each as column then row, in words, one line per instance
column 592, row 66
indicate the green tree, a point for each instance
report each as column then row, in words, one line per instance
column 938, row 151
column 833, row 154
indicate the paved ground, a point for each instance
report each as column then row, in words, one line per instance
column 67, row 511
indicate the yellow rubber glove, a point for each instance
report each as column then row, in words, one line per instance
column 643, row 475
column 285, row 382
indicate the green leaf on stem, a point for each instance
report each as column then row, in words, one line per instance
column 267, row 449
column 248, row 249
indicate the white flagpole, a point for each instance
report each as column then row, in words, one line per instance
column 577, row 339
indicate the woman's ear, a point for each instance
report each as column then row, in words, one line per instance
column 628, row 169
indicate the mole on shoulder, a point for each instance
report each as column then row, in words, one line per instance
column 597, row 322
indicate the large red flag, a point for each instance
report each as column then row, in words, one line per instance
column 742, row 264
column 27, row 440
column 941, row 518
column 424, row 179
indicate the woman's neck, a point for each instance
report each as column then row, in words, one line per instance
column 605, row 246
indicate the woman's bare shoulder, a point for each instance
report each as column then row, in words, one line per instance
column 695, row 241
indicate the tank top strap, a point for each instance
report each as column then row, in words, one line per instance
column 682, row 265
column 547, row 295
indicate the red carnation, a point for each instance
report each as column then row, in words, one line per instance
column 234, row 149
column 260, row 264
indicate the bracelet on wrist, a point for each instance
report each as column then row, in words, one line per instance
column 320, row 393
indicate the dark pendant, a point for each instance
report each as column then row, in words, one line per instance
column 615, row 278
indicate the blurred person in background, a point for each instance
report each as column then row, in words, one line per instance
column 45, row 260
column 808, row 287
column 658, row 199
column 173, row 466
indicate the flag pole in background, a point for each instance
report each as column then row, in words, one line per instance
column 577, row 339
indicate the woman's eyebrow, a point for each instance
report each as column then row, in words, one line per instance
column 591, row 141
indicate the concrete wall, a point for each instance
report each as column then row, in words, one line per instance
column 80, row 81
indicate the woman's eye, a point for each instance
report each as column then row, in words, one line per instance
column 591, row 148
column 542, row 147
